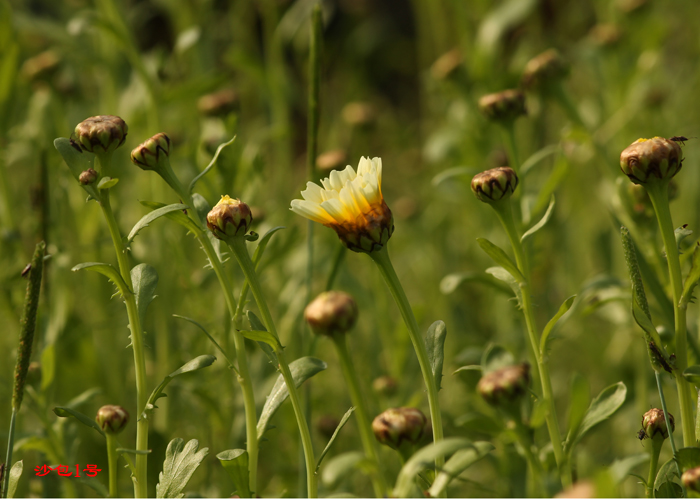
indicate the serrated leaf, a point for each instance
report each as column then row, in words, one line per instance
column 181, row 460
column 435, row 345
column 342, row 423
column 666, row 485
column 579, row 400
column 458, row 463
column 152, row 216
column 63, row 411
column 261, row 336
column 106, row 270
column 193, row 365
column 211, row 164
column 601, row 408
column 552, row 322
column 501, row 258
column 688, row 458
column 256, row 324
column 106, row 183
column 302, row 369
column 235, row 462
column 144, row 277
column 340, row 466
column 213, row 341
column 176, row 216
column 543, row 221
column 693, row 277
column 13, row 478
column 496, row 357
column 503, row 275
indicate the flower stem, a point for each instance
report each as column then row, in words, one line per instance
column 366, row 434
column 238, row 246
column 381, row 258
column 668, row 426
column 8, row 457
column 525, row 442
column 505, row 214
column 653, row 466
column 511, row 145
column 658, row 193
column 112, row 463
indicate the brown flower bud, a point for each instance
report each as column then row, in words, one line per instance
column 544, row 69
column 495, row 184
column 112, row 419
column 101, row 134
column 89, row 176
column 230, row 217
column 331, row 313
column 654, row 424
column 506, row 105
column 396, row 427
column 691, row 479
column 149, row 154
column 649, row 160
column 385, row 385
column 506, row 385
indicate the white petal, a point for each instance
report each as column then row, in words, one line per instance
column 312, row 192
column 364, row 166
column 347, row 199
column 378, row 165
column 327, row 184
column 355, row 188
column 311, row 211
column 337, row 210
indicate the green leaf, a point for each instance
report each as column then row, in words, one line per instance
column 501, row 258
column 645, row 324
column 261, row 336
column 235, row 462
column 152, row 216
column 458, row 463
column 340, row 466
column 41, row 444
column 181, row 460
column 201, row 206
column 496, row 357
column 342, row 423
column 435, row 345
column 106, row 270
column 579, row 400
column 602, row 408
column 204, row 172
column 13, row 478
column 550, row 325
column 688, row 458
column 95, row 484
column 505, row 276
column 106, row 183
column 193, row 365
column 77, row 161
column 63, row 411
column 262, row 245
column 543, row 221
column 621, row 468
column 537, row 158
column 451, row 282
column 302, row 369
column 424, row 459
column 666, row 484
column 83, row 397
column 256, row 324
column 453, row 172
column 145, row 280
column 48, row 365
column 175, row 216
column 681, row 233
column 475, row 368
column 692, row 374
column 216, row 344
column 693, row 277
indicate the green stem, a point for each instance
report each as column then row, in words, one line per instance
column 658, row 193
column 368, row 441
column 112, row 463
column 381, row 258
column 525, row 442
column 656, row 445
column 511, row 145
column 505, row 214
column 8, row 456
column 668, row 426
column 238, row 246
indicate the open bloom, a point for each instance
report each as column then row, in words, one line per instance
column 352, row 204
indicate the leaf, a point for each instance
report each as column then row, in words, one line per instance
column 475, row 368
column 145, row 280
column 65, row 412
column 681, row 233
column 83, row 397
column 48, row 365
column 176, row 216
column 423, row 459
column 204, row 172
column 340, row 466
column 451, row 282
column 76, row 160
column 106, row 270
column 688, row 458
column 543, row 221
column 95, row 484
column 261, row 336
column 193, row 365
column 453, row 172
column 666, row 484
column 235, row 462
column 216, row 344
column 500, row 258
column 552, row 322
column 435, row 345
column 152, row 216
column 602, row 408
column 342, row 423
column 106, row 183
column 692, row 374
column 262, row 245
column 496, row 357
column 180, row 463
column 302, row 369
column 622, row 468
column 13, row 478
column 578, row 406
column 133, row 452
column 256, row 324
column 537, row 158
column 505, row 276
column 458, row 463
column 693, row 277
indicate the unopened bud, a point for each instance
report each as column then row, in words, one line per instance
column 503, row 106
column 654, row 424
column 397, row 427
column 495, row 184
column 152, row 152
column 112, row 419
column 385, row 385
column 331, row 313
column 649, row 160
column 101, row 134
column 506, row 385
column 691, row 479
column 89, row 176
column 230, row 217
column 547, row 68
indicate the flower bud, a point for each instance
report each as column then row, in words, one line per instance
column 503, row 106
column 150, row 153
column 544, row 69
column 101, row 134
column 506, row 385
column 654, row 424
column 331, row 313
column 89, row 176
column 112, row 419
column 648, row 160
column 385, row 385
column 230, row 217
column 691, row 479
column 495, row 184
column 399, row 427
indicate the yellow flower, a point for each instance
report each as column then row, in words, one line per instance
column 351, row 203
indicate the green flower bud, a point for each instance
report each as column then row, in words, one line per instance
column 89, row 176
column 505, row 386
column 648, row 160
column 230, row 217
column 495, row 184
column 385, row 385
column 112, row 419
column 691, row 479
column 397, row 427
column 101, row 134
column 654, row 424
column 331, row 313
column 547, row 68
column 503, row 106
column 150, row 154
